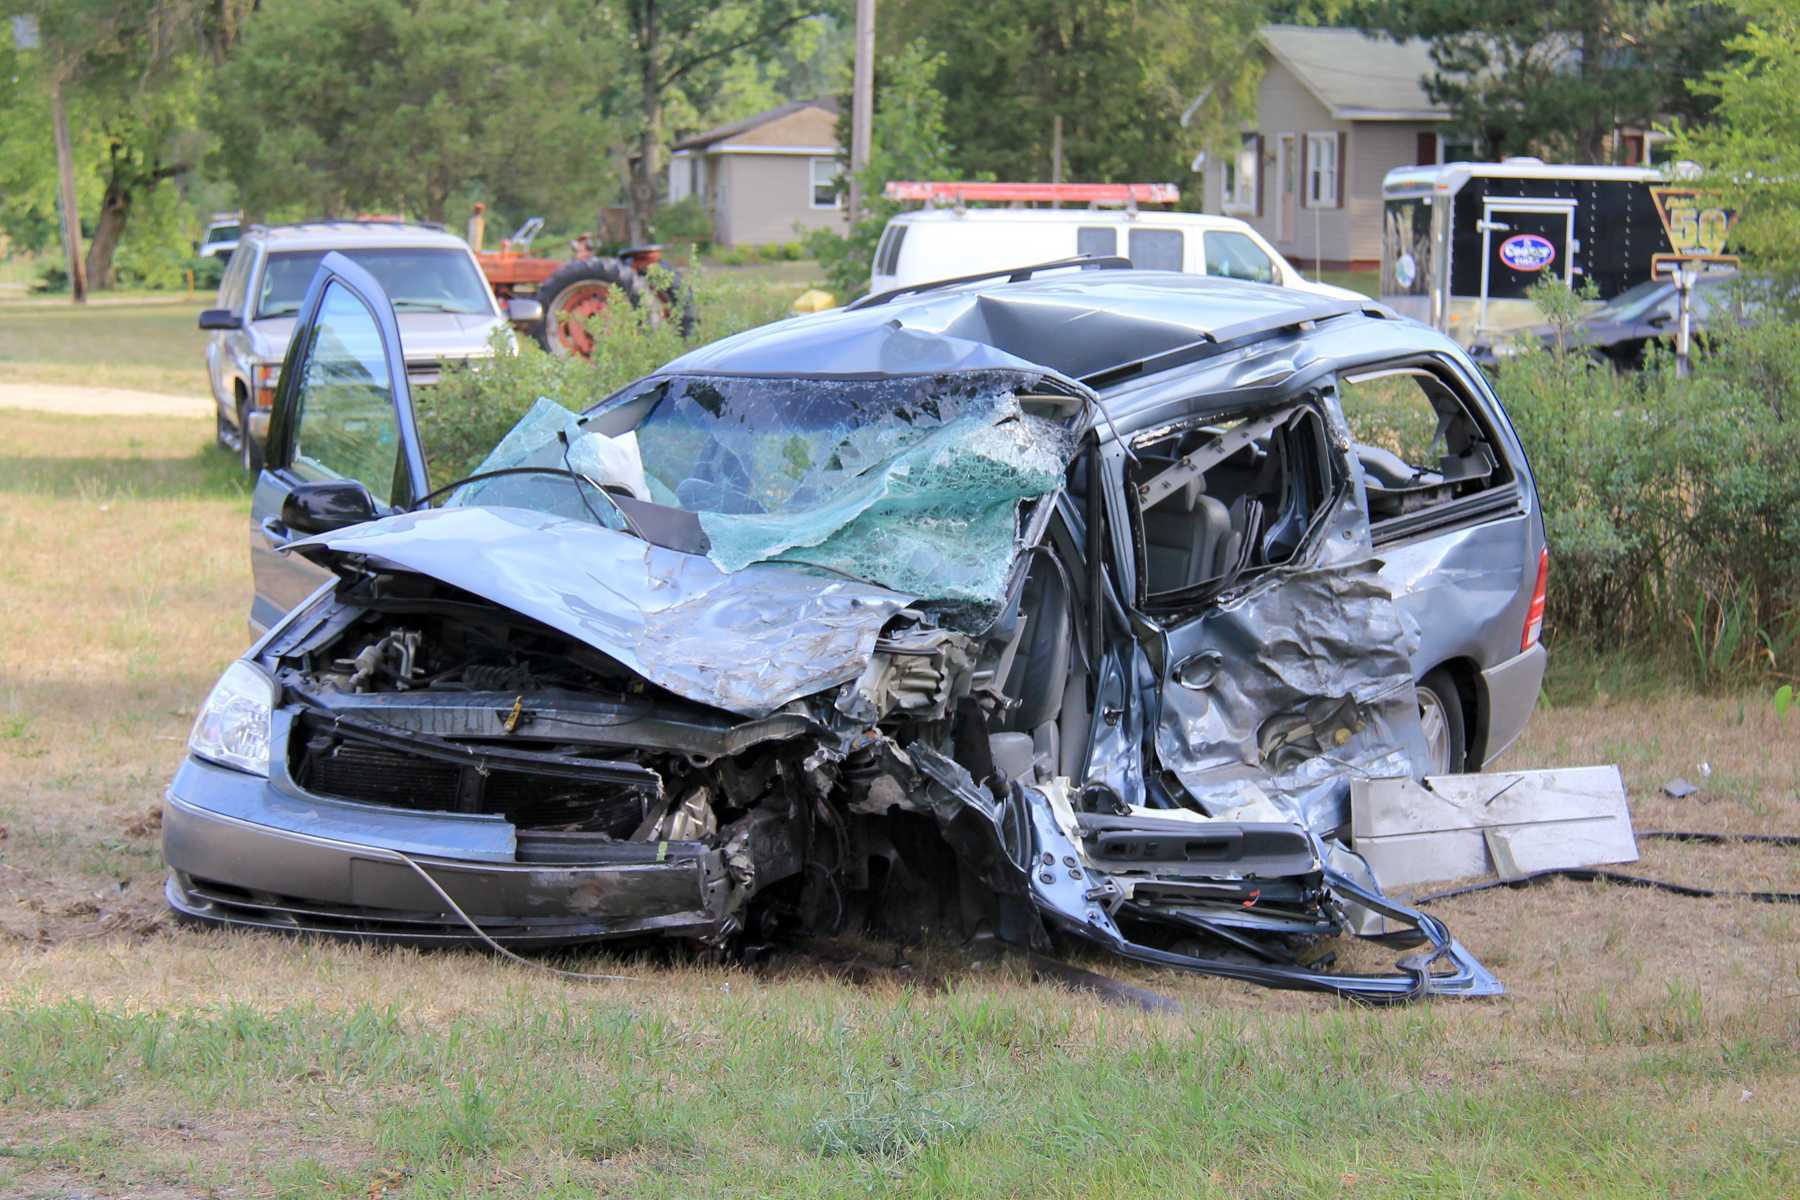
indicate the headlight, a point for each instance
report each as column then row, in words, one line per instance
column 233, row 726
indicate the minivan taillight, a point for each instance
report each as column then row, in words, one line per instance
column 1534, row 616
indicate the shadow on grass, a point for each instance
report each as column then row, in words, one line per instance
column 207, row 474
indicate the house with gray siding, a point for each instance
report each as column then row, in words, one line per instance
column 1335, row 111
column 767, row 178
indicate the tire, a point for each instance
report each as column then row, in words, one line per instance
column 249, row 453
column 1444, row 723
column 676, row 303
column 575, row 292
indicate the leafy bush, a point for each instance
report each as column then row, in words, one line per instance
column 744, row 256
column 685, row 223
column 470, row 409
column 1672, row 505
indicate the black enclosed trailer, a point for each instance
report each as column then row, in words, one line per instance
column 1462, row 243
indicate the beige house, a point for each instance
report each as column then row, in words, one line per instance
column 767, row 178
column 1336, row 110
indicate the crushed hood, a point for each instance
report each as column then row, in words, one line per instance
column 747, row 642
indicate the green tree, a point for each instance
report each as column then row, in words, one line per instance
column 1120, row 73
column 908, row 142
column 1751, row 152
column 333, row 106
column 130, row 72
column 1556, row 77
column 670, row 47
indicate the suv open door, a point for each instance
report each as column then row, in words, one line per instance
column 342, row 419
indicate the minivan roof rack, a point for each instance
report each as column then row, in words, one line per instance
column 1096, row 262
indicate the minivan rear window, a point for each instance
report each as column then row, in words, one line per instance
column 1156, row 249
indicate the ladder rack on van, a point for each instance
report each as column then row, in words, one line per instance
column 1129, row 195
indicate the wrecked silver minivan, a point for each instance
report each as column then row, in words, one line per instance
column 1063, row 607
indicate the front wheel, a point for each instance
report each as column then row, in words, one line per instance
column 1441, row 719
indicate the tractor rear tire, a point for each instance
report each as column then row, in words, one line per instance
column 676, row 302
column 577, row 291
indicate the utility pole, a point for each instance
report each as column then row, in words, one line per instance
column 65, row 190
column 26, row 37
column 862, row 103
column 1056, row 154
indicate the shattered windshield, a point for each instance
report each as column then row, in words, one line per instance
column 911, row 482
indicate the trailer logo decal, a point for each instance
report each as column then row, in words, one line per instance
column 1527, row 252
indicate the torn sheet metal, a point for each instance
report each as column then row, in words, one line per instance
column 747, row 642
column 1313, row 686
column 1512, row 823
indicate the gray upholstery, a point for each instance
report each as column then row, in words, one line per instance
column 1042, row 662
column 1189, row 539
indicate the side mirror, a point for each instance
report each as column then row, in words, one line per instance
column 220, row 318
column 523, row 310
column 325, row 505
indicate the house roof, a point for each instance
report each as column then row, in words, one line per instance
column 1358, row 76
column 748, row 129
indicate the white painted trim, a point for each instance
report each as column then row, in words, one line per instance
column 1388, row 114
column 809, row 151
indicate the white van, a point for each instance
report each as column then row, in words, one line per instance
column 944, row 243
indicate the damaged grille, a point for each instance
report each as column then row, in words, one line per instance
column 328, row 762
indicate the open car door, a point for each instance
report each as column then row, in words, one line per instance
column 342, row 413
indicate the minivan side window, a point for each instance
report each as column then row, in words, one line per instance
column 1418, row 439
column 1097, row 239
column 1234, row 256
column 344, row 421
column 887, row 253
column 1156, row 249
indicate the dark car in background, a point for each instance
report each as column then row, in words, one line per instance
column 1621, row 329
column 1066, row 606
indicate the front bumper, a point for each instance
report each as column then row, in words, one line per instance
column 246, row 851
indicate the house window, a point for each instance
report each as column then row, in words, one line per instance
column 825, row 173
column 1321, row 170
column 1243, row 174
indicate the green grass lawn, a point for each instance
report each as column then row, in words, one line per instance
column 152, row 344
column 1647, row 1046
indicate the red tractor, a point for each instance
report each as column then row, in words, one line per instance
column 574, row 290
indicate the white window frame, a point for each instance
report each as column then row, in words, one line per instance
column 1320, row 197
column 1242, row 175
column 813, row 183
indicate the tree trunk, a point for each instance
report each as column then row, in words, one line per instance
column 644, row 170
column 115, row 210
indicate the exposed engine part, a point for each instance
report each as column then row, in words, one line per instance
column 391, row 659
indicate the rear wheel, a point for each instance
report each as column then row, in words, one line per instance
column 1441, row 718
column 577, row 292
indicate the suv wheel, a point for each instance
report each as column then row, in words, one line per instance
column 222, row 430
column 1441, row 717
column 249, row 453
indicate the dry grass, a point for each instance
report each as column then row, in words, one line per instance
column 1647, row 1043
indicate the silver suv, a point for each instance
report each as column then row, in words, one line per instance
column 446, row 311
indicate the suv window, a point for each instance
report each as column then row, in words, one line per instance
column 344, row 423
column 1419, row 441
column 1156, row 249
column 237, row 273
column 1219, row 501
column 1096, row 239
column 1235, row 256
